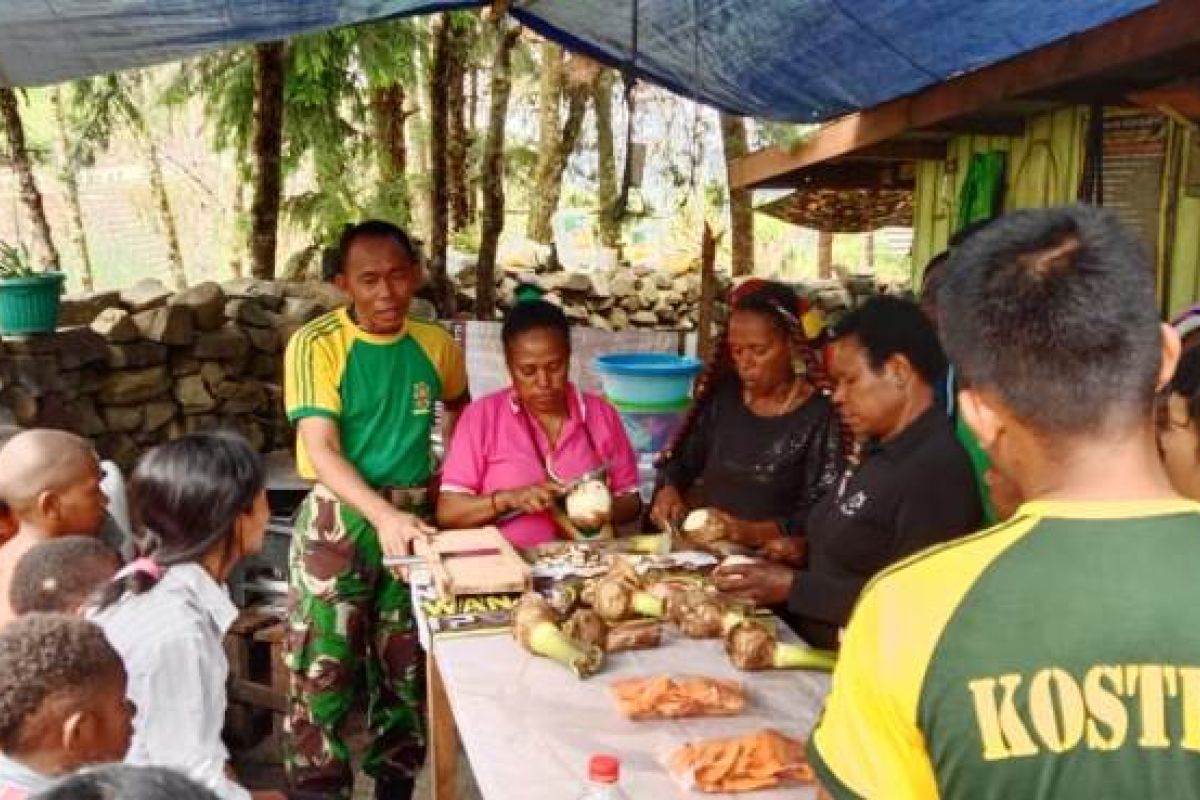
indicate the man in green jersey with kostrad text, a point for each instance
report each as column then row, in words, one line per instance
column 1055, row 655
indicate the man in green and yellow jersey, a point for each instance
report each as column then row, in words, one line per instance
column 1053, row 656
column 361, row 384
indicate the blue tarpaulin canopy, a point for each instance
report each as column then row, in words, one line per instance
column 799, row 60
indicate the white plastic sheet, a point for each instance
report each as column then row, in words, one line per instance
column 529, row 726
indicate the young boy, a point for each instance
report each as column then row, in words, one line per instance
column 51, row 481
column 62, row 702
column 61, row 574
column 8, row 520
column 1055, row 655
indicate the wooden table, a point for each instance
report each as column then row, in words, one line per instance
column 528, row 725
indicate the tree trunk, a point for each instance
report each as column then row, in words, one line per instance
column 388, row 117
column 418, row 149
column 708, row 291
column 70, row 179
column 270, row 67
column 235, row 243
column 741, row 209
column 550, row 185
column 457, row 143
column 606, row 168
column 166, row 217
column 824, row 255
column 438, row 129
column 473, row 179
column 868, row 253
column 493, row 170
column 549, row 141
column 30, row 196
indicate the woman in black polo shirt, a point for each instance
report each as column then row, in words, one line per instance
column 913, row 485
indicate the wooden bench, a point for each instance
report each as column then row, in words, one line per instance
column 258, row 680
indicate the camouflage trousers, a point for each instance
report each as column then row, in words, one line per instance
column 351, row 640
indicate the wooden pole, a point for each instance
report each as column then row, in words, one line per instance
column 708, row 290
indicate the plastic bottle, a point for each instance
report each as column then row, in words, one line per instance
column 603, row 774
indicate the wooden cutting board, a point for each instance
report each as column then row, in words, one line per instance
column 475, row 561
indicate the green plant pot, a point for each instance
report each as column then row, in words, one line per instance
column 30, row 304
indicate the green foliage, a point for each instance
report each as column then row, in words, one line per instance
column 99, row 108
column 784, row 134
column 225, row 82
column 16, row 261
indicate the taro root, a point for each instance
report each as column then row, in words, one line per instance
column 705, row 526
column 752, row 645
column 586, row 626
column 589, row 505
column 614, row 599
column 618, row 595
column 639, row 634
column 535, row 627
column 697, row 613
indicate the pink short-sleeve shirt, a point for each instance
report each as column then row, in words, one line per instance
column 492, row 450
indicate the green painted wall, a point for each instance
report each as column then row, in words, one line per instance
column 1182, row 288
column 1044, row 168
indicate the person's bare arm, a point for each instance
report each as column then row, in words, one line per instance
column 461, row 510
column 396, row 529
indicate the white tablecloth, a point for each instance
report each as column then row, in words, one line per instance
column 529, row 726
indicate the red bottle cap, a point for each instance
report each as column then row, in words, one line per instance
column 604, row 769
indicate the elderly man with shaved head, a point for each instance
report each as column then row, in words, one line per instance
column 50, row 480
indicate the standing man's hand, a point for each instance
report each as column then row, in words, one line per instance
column 397, row 532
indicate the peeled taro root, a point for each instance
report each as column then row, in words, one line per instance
column 589, row 505
column 697, row 613
column 704, row 526
column 535, row 627
column 640, row 634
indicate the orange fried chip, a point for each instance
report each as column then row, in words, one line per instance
column 664, row 697
column 741, row 764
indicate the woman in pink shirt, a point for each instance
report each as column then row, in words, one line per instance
column 507, row 444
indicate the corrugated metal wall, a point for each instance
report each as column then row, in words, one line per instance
column 1044, row 168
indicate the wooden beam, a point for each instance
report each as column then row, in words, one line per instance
column 1180, row 101
column 904, row 150
column 1166, row 26
column 982, row 126
column 849, row 173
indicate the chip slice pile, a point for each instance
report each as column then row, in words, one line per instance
column 667, row 697
column 761, row 760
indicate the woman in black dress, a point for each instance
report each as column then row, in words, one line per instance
column 762, row 436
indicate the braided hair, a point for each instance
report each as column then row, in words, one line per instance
column 785, row 309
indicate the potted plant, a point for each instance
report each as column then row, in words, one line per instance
column 28, row 298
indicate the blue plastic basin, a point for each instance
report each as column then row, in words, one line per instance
column 646, row 377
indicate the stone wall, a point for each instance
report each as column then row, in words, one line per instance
column 617, row 300
column 135, row 368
